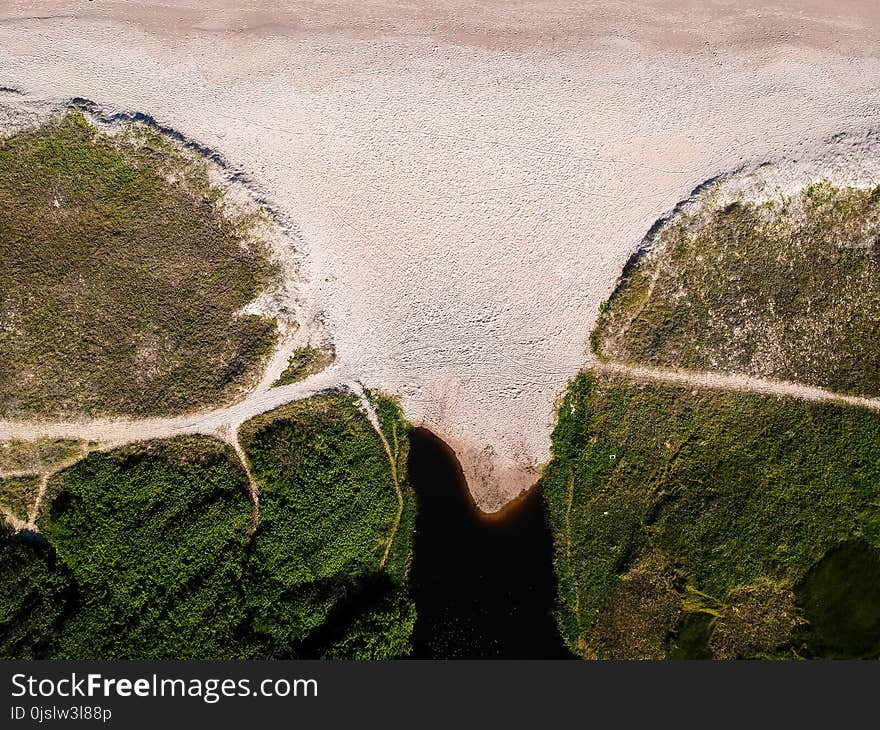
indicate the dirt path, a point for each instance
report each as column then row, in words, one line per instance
column 231, row 438
column 34, row 511
column 15, row 523
column 217, row 422
column 744, row 383
column 370, row 410
column 223, row 423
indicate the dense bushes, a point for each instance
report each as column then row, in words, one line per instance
column 155, row 558
column 36, row 590
column 328, row 508
column 380, row 627
column 154, row 536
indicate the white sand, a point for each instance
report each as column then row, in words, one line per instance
column 468, row 179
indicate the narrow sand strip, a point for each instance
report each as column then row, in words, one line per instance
column 731, row 381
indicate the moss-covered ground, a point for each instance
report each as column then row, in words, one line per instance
column 121, row 278
column 691, row 522
column 787, row 289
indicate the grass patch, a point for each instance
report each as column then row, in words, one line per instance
column 122, row 281
column 378, row 623
column 303, row 362
column 18, row 495
column 37, row 456
column 787, row 289
column 742, row 493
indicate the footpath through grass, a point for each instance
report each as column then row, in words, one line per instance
column 787, row 289
column 145, row 551
column 328, row 508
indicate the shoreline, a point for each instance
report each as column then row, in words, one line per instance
column 466, row 198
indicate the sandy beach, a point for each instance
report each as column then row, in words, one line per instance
column 467, row 180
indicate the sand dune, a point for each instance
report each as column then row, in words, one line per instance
column 468, row 179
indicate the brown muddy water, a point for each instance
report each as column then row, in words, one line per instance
column 483, row 585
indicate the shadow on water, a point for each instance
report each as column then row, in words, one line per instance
column 484, row 585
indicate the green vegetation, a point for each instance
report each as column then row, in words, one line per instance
column 398, row 554
column 723, row 501
column 787, row 289
column 37, row 456
column 754, row 620
column 18, row 495
column 690, row 638
column 305, row 361
column 34, row 596
column 328, row 508
column 153, row 535
column 122, row 279
column 841, row 602
column 760, row 516
column 150, row 553
column 641, row 611
column 379, row 626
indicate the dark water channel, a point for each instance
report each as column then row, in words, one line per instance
column 484, row 586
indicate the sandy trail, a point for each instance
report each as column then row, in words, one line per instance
column 731, row 381
column 370, row 410
column 15, row 523
column 467, row 178
column 221, row 423
column 224, row 423
column 232, row 439
column 17, row 473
